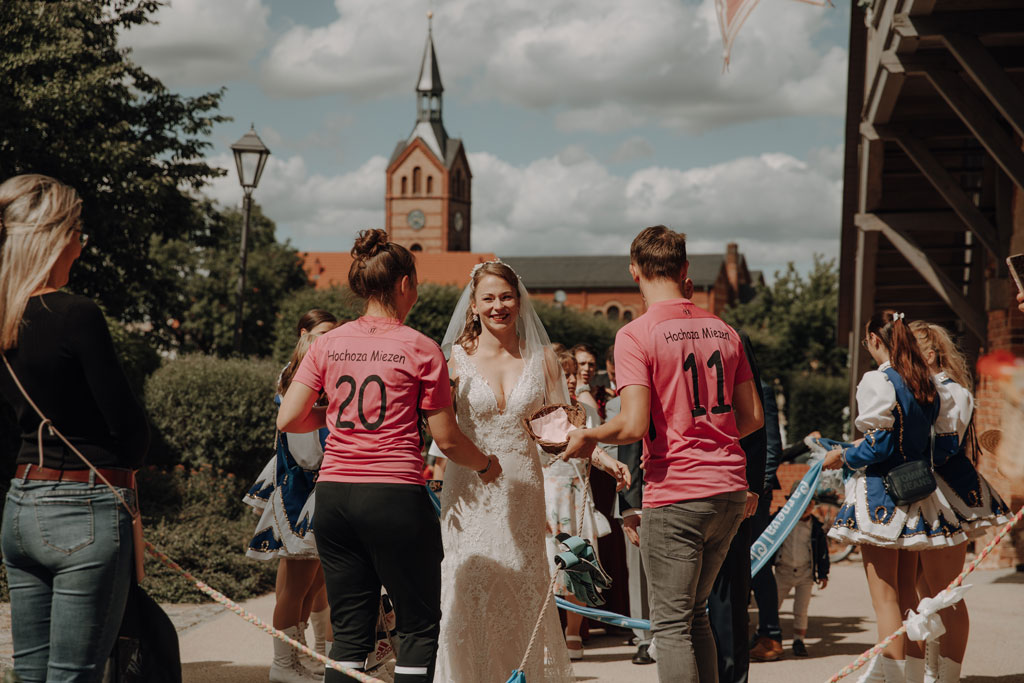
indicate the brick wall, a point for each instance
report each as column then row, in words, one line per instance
column 1005, row 332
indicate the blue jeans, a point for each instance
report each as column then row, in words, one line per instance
column 68, row 551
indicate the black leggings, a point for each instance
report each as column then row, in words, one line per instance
column 373, row 534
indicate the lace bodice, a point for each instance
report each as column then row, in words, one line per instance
column 495, row 572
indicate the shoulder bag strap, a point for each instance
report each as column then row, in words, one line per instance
column 49, row 426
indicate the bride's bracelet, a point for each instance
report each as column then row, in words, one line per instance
column 486, row 469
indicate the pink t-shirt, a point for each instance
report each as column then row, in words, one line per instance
column 691, row 361
column 379, row 375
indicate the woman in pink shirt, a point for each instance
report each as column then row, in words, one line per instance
column 374, row 524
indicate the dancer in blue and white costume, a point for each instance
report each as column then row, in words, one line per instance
column 966, row 498
column 284, row 493
column 898, row 410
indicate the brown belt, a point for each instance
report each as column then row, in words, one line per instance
column 124, row 479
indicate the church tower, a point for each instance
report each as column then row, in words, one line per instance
column 428, row 195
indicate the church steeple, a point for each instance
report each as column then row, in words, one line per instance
column 429, row 94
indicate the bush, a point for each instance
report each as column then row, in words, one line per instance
column 138, row 359
column 197, row 518
column 214, row 411
column 338, row 300
column 817, row 402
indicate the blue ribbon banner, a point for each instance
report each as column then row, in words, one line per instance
column 769, row 542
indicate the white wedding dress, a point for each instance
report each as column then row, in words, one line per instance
column 495, row 572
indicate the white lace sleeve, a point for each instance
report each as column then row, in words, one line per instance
column 876, row 397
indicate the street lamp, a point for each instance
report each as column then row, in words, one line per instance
column 250, row 158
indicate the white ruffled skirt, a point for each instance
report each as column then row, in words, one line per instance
column 962, row 506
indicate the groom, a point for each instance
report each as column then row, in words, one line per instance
column 687, row 390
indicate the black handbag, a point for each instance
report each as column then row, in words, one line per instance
column 147, row 645
column 912, row 481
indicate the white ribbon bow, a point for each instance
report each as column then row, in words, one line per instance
column 926, row 624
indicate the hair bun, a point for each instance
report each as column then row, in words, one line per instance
column 369, row 243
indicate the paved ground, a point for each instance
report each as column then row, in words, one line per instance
column 218, row 646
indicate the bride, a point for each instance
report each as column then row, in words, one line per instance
column 495, row 574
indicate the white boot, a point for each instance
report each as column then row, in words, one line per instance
column 872, row 671
column 931, row 661
column 286, row 667
column 321, row 622
column 894, row 670
column 949, row 671
column 915, row 669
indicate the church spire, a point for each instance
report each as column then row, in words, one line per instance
column 429, row 93
column 430, row 76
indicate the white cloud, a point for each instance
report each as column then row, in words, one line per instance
column 317, row 212
column 200, row 42
column 631, row 149
column 604, row 65
column 777, row 207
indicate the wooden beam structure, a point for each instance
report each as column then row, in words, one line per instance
column 989, row 76
column 950, row 293
column 946, row 186
column 986, row 129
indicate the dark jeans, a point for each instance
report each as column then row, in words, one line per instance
column 370, row 535
column 683, row 546
column 68, row 551
column 727, row 609
column 766, row 592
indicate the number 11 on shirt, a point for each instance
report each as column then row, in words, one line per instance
column 714, row 362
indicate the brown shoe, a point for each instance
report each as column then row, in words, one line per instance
column 766, row 650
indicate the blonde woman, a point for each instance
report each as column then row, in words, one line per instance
column 66, row 539
column 966, row 502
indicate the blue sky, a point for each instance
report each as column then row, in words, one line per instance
column 585, row 120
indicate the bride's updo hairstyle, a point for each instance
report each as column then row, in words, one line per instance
column 471, row 331
column 904, row 353
column 377, row 266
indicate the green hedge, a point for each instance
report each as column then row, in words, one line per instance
column 569, row 326
column 817, row 402
column 215, row 411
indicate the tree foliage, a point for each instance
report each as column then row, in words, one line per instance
column 338, row 300
column 73, row 105
column 792, row 323
column 195, row 283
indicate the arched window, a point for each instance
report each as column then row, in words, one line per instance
column 598, row 313
column 416, row 180
column 430, row 184
column 627, row 315
column 416, row 247
column 613, row 313
column 405, row 185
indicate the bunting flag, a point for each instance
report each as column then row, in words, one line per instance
column 732, row 14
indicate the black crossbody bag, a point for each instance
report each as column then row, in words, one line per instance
column 912, row 481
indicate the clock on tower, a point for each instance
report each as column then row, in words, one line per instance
column 428, row 197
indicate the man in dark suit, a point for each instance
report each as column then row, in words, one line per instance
column 727, row 604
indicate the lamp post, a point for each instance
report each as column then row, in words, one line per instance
column 250, row 158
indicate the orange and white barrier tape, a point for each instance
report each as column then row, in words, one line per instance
column 222, row 599
column 971, row 566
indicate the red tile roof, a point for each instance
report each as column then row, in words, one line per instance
column 328, row 269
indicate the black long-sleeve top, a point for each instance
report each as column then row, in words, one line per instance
column 755, row 445
column 66, row 361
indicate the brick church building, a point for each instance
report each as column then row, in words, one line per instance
column 428, row 209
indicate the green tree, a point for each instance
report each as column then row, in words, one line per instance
column 195, row 283
column 433, row 310
column 792, row 323
column 73, row 105
column 338, row 300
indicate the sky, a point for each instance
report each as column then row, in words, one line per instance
column 584, row 120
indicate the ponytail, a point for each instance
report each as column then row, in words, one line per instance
column 904, row 353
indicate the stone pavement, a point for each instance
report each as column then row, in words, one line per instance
column 218, row 646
